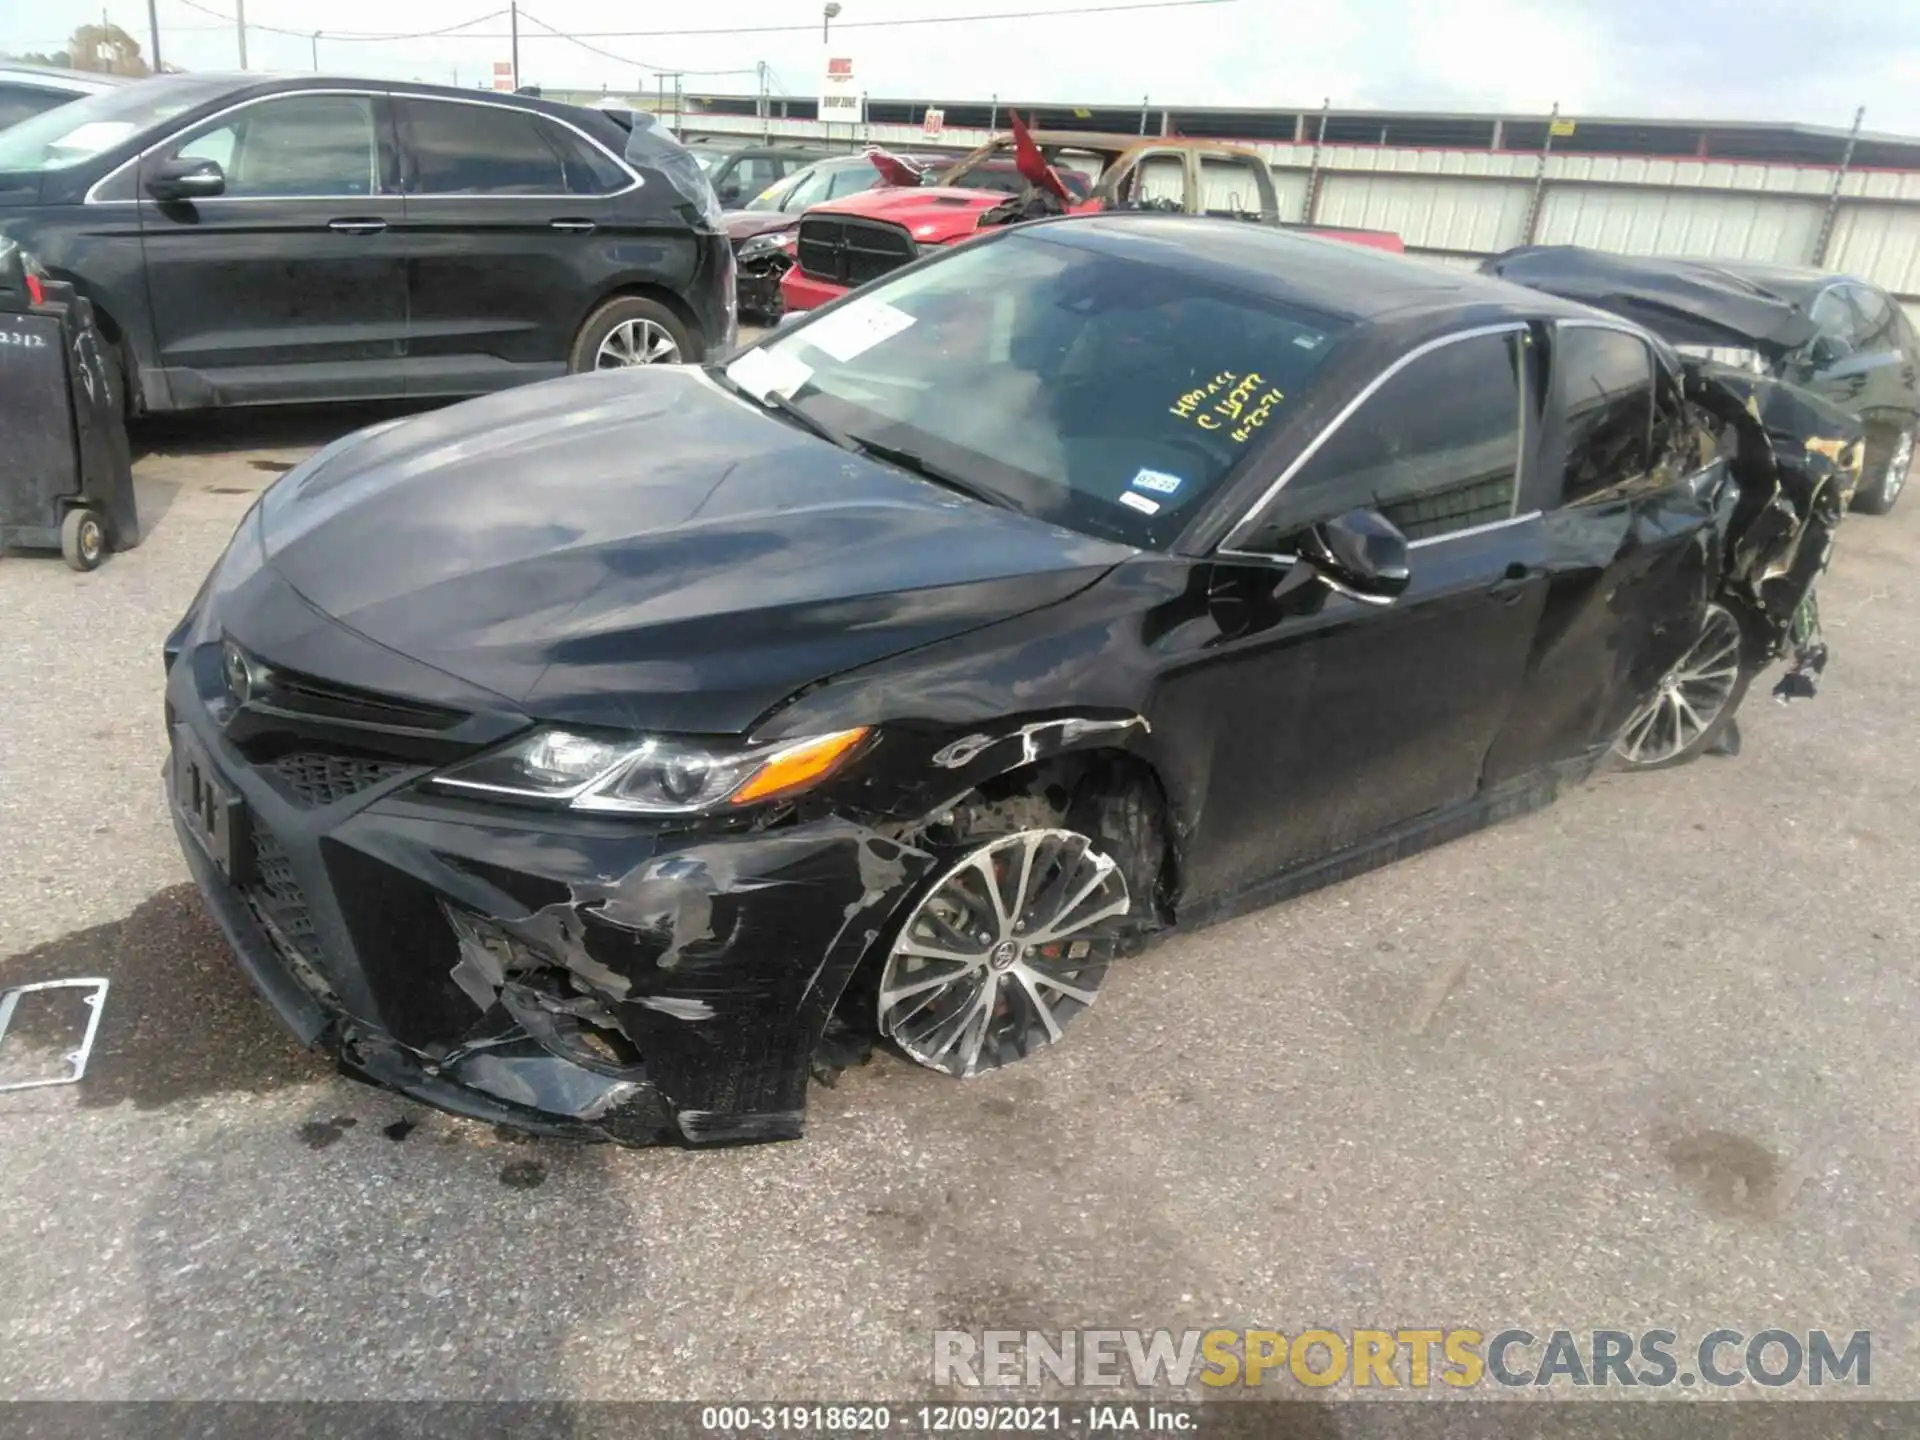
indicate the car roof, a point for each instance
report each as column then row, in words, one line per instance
column 1334, row 277
column 49, row 77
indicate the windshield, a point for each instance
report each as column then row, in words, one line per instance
column 74, row 133
column 1076, row 376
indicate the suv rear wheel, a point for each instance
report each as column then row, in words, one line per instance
column 632, row 330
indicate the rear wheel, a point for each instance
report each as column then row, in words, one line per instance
column 1878, row 492
column 1695, row 702
column 632, row 330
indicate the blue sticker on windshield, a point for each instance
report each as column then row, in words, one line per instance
column 1158, row 481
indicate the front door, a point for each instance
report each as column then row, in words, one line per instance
column 1332, row 719
column 290, row 285
column 1858, row 361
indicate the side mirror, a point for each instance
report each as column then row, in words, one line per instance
column 186, row 180
column 730, row 193
column 1361, row 554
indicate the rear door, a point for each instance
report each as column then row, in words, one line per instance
column 1627, row 542
column 513, row 228
column 290, row 285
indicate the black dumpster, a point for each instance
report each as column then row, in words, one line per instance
column 66, row 476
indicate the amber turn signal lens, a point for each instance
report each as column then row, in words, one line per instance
column 799, row 766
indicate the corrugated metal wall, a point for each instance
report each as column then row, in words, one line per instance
column 1460, row 205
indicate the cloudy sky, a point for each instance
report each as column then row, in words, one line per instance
column 1757, row 60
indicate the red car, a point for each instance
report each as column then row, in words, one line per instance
column 851, row 241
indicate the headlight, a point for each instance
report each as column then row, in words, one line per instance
column 648, row 774
column 761, row 246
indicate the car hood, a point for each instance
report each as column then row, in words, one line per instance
column 931, row 213
column 1687, row 302
column 642, row 549
column 745, row 224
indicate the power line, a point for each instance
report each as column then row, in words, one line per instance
column 461, row 32
column 526, row 14
column 446, row 32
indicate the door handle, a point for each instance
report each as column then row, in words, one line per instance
column 1512, row 585
column 357, row 227
column 578, row 227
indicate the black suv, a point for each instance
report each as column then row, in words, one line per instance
column 248, row 240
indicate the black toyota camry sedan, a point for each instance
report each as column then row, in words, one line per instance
column 249, row 239
column 592, row 757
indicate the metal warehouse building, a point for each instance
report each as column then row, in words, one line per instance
column 1460, row 187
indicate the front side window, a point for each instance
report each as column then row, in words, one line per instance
column 1877, row 328
column 462, row 149
column 1606, row 386
column 1102, row 386
column 1834, row 317
column 1435, row 449
column 299, row 145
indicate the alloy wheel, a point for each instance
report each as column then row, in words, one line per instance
column 1007, row 948
column 636, row 342
column 1899, row 466
column 1691, row 697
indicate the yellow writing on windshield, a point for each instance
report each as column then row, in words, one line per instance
column 1235, row 398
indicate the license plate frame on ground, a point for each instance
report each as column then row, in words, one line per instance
column 76, row 1058
column 215, row 816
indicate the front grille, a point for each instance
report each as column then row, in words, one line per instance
column 852, row 252
column 311, row 779
column 280, row 905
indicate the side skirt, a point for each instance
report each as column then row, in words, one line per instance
column 1520, row 796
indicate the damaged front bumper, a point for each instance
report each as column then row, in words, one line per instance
column 1796, row 461
column 564, row 974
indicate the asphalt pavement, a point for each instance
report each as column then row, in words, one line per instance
column 1644, row 1059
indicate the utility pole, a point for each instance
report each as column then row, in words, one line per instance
column 1833, row 195
column 240, row 25
column 316, row 52
column 153, row 32
column 513, row 13
column 1532, row 227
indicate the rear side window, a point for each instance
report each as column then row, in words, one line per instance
column 1435, row 449
column 462, row 149
column 17, row 102
column 588, row 169
column 1606, row 387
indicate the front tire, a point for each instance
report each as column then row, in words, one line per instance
column 1696, row 700
column 1005, row 950
column 632, row 330
column 1876, row 495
